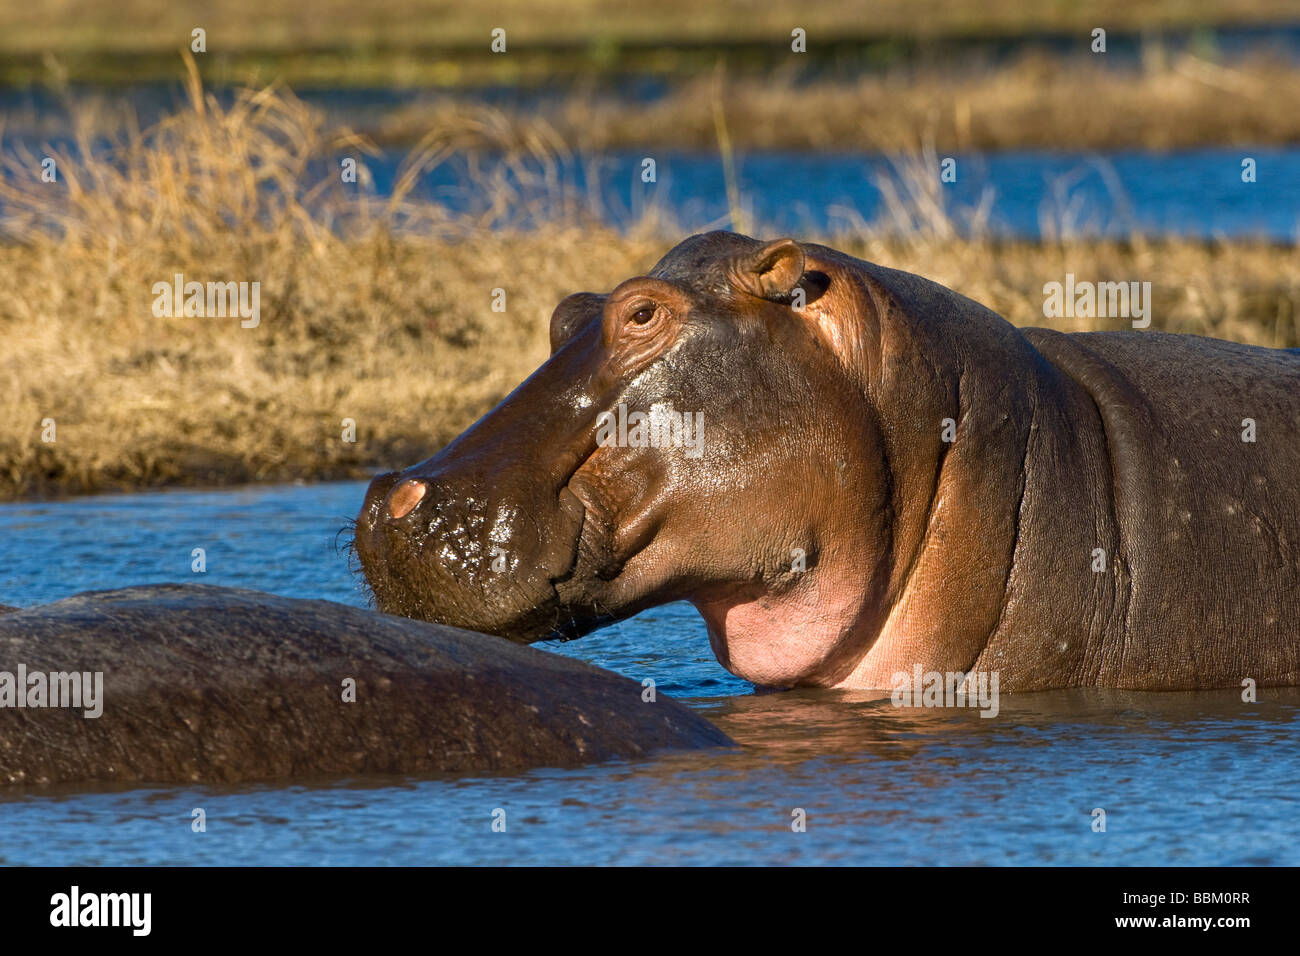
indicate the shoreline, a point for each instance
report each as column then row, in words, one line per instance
column 384, row 326
column 130, row 420
column 412, row 43
column 57, row 493
column 1160, row 102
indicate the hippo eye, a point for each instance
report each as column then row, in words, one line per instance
column 644, row 314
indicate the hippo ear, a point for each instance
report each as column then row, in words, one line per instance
column 771, row 272
column 571, row 314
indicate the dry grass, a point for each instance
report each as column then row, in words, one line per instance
column 379, row 309
column 445, row 43
column 1160, row 101
column 1038, row 101
column 144, row 25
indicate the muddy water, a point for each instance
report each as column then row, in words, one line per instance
column 1182, row 778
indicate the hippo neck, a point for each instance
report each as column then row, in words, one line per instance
column 967, row 402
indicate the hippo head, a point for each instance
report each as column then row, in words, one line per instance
column 698, row 433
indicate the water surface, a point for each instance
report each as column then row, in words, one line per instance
column 1184, row 778
column 1026, row 194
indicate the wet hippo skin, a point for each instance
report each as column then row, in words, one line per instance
column 220, row 685
column 882, row 475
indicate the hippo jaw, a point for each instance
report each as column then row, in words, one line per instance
column 429, row 565
column 470, row 539
column 480, row 535
column 529, row 527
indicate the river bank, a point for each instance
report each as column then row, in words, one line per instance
column 1156, row 98
column 384, row 324
column 410, row 43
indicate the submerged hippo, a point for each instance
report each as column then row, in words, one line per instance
column 852, row 471
column 190, row 683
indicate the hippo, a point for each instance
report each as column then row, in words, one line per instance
column 854, row 473
column 183, row 684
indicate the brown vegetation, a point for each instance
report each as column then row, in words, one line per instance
column 379, row 309
column 1036, row 101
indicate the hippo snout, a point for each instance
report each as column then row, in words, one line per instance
column 376, row 493
column 393, row 497
column 460, row 551
column 417, row 527
column 404, row 496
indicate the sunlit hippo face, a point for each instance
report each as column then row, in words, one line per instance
column 690, row 437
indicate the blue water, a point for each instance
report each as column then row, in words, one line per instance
column 1029, row 194
column 1016, row 194
column 1183, row 778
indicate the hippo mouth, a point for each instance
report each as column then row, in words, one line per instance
column 594, row 557
column 420, row 545
column 589, row 544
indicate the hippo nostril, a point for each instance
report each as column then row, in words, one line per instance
column 405, row 497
